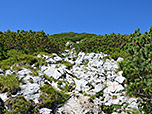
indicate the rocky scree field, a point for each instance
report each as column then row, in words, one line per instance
column 78, row 84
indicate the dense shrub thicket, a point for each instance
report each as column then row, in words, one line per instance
column 137, row 68
column 28, row 42
column 74, row 37
column 113, row 44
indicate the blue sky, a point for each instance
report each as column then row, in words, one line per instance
column 90, row 16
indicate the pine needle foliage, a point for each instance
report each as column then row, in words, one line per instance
column 137, row 68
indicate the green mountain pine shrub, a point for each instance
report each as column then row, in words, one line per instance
column 20, row 105
column 51, row 97
column 9, row 83
column 29, row 42
column 113, row 44
column 137, row 68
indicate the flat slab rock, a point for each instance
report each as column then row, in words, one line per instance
column 79, row 105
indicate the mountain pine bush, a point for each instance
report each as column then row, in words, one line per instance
column 137, row 68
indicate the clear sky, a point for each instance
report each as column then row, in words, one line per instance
column 90, row 16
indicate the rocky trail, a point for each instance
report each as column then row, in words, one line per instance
column 91, row 81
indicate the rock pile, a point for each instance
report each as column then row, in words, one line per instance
column 91, row 80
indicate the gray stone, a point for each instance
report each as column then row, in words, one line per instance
column 66, row 51
column 120, row 59
column 9, row 72
column 79, row 105
column 30, row 91
column 68, row 43
column 39, row 56
column 115, row 101
column 44, row 67
column 96, row 63
column 80, row 58
column 1, row 71
column 111, row 75
column 3, row 96
column 133, row 105
column 45, row 111
column 58, row 59
column 119, row 88
column 107, row 65
column 51, row 61
column 130, row 100
column 98, row 88
column 62, row 69
column 23, row 73
column 52, row 71
column 45, row 57
column 120, row 79
column 81, row 85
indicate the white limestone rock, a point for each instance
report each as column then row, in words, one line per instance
column 51, row 61
column 107, row 65
column 119, row 88
column 79, row 105
column 39, row 56
column 62, row 69
column 81, row 85
column 98, row 88
column 107, row 99
column 9, row 72
column 3, row 96
column 133, row 105
column 22, row 73
column 44, row 67
column 52, row 71
column 113, row 87
column 96, row 63
column 27, row 79
column 69, row 60
column 58, row 59
column 120, row 79
column 68, row 43
column 130, row 100
column 111, row 75
column 120, row 59
column 45, row 111
column 89, row 79
column 38, row 80
column 115, row 101
column 80, row 58
column 55, row 85
column 89, row 56
column 45, row 56
column 30, row 91
column 66, row 51
column 1, row 71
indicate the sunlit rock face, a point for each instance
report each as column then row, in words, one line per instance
column 80, row 105
column 91, row 83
